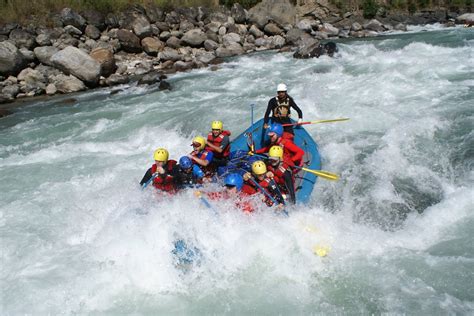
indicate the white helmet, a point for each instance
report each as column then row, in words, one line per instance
column 281, row 87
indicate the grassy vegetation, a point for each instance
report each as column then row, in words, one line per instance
column 22, row 10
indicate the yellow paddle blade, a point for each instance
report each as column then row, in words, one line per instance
column 323, row 174
column 330, row 121
column 321, row 251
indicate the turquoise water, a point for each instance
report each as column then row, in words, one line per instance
column 79, row 236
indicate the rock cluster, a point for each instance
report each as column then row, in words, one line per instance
column 88, row 49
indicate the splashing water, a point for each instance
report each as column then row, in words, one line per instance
column 79, row 236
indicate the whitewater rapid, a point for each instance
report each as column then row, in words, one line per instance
column 78, row 235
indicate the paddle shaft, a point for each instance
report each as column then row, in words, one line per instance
column 317, row 122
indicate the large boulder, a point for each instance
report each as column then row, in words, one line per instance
column 45, row 53
column 169, row 54
column 194, row 37
column 129, row 41
column 72, row 60
column 466, row 18
column 11, row 59
column 92, row 32
column 141, row 26
column 68, row 84
column 22, row 38
column 152, row 46
column 281, row 12
column 95, row 18
column 238, row 13
column 71, row 17
column 106, row 60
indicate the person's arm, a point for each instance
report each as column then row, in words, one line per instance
column 296, row 107
column 297, row 152
column 225, row 142
column 267, row 112
column 290, row 186
column 197, row 172
column 146, row 177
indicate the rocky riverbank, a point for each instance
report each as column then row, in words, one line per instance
column 88, row 49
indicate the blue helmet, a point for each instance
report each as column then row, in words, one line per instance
column 185, row 162
column 234, row 179
column 276, row 128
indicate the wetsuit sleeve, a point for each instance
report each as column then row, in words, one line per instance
column 290, row 186
column 198, row 173
column 209, row 156
column 298, row 153
column 270, row 107
column 225, row 142
column 146, row 177
column 296, row 107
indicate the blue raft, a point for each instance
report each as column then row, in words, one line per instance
column 305, row 181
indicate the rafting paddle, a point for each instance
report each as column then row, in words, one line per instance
column 317, row 122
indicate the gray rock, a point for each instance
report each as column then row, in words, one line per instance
column 356, row 27
column 71, row 17
column 11, row 59
column 154, row 13
column 43, row 40
column 329, row 29
column 222, row 31
column 163, row 26
column 71, row 30
column 95, row 19
column 262, row 42
column 173, row 42
column 400, row 27
column 72, row 60
column 210, row 45
column 29, row 55
column 194, row 37
column 22, row 38
column 239, row 14
column 152, row 46
column 92, row 32
column 374, row 25
column 65, row 40
column 169, row 54
column 149, row 78
column 164, row 36
column 230, row 39
column 277, row 41
column 205, row 57
column 223, row 52
column 45, row 53
column 11, row 91
column 294, row 35
column 213, row 27
column 31, row 76
column 281, row 12
column 116, row 79
column 185, row 26
column 68, row 84
column 111, row 20
column 272, row 29
column 141, row 26
column 7, row 28
column 255, row 31
column 466, row 18
column 129, row 41
column 235, row 49
column 51, row 89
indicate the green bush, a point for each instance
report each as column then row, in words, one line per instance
column 369, row 8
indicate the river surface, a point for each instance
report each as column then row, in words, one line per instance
column 79, row 236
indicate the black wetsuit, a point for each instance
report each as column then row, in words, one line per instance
column 285, row 119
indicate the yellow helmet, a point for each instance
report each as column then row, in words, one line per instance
column 161, row 154
column 259, row 168
column 217, row 125
column 199, row 140
column 276, row 152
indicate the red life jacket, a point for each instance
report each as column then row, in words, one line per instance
column 164, row 181
column 208, row 171
column 216, row 141
column 279, row 172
